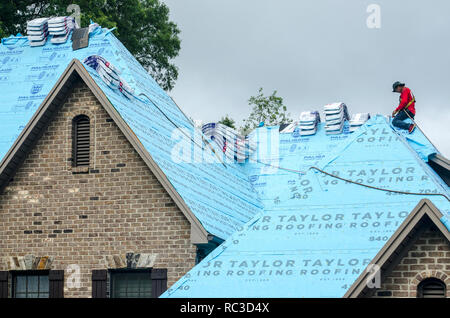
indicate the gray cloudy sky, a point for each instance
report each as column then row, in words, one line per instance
column 314, row 52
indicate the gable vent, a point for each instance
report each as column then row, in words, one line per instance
column 432, row 288
column 80, row 141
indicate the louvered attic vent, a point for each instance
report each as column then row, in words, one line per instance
column 80, row 141
column 432, row 288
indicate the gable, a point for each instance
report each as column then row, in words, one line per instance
column 120, row 206
column 427, row 257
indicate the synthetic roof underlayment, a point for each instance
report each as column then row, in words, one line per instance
column 219, row 195
column 301, row 233
column 317, row 234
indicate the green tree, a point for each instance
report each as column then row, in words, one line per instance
column 143, row 26
column 268, row 109
column 227, row 121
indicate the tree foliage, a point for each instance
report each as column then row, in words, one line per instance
column 268, row 109
column 228, row 121
column 143, row 26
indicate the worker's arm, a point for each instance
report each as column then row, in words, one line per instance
column 403, row 100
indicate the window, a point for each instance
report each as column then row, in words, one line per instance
column 431, row 288
column 131, row 284
column 31, row 285
column 128, row 282
column 80, row 140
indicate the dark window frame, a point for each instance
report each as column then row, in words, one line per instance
column 101, row 281
column 429, row 281
column 112, row 272
column 27, row 273
column 83, row 119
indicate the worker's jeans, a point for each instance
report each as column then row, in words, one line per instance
column 398, row 120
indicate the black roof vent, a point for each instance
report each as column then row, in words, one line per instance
column 80, row 141
column 431, row 288
column 80, row 38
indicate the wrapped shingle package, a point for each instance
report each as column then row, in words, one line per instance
column 357, row 120
column 37, row 31
column 335, row 116
column 59, row 28
column 308, row 123
column 109, row 74
column 234, row 146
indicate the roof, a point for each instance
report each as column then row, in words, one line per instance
column 318, row 233
column 424, row 213
column 286, row 223
column 220, row 196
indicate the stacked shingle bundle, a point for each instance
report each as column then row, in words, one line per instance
column 37, row 31
column 93, row 27
column 234, row 146
column 109, row 74
column 335, row 116
column 285, row 129
column 358, row 120
column 308, row 123
column 59, row 28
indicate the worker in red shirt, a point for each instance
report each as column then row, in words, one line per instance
column 405, row 109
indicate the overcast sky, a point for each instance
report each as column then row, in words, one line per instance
column 314, row 52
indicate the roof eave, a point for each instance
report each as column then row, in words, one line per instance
column 440, row 160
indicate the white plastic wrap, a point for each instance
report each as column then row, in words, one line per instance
column 37, row 31
column 335, row 116
column 358, row 120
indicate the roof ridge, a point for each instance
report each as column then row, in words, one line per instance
column 335, row 155
column 425, row 166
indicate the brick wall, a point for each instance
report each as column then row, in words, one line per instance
column 428, row 257
column 79, row 218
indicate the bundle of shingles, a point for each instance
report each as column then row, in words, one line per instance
column 37, row 31
column 308, row 123
column 357, row 120
column 109, row 74
column 59, row 28
column 335, row 116
column 289, row 128
column 234, row 146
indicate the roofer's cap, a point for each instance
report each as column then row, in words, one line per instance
column 397, row 84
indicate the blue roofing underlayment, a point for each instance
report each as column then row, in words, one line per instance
column 317, row 234
column 220, row 196
column 290, row 231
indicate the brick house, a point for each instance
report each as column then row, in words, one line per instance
column 91, row 215
column 88, row 207
column 95, row 202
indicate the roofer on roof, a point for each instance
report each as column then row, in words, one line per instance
column 405, row 109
